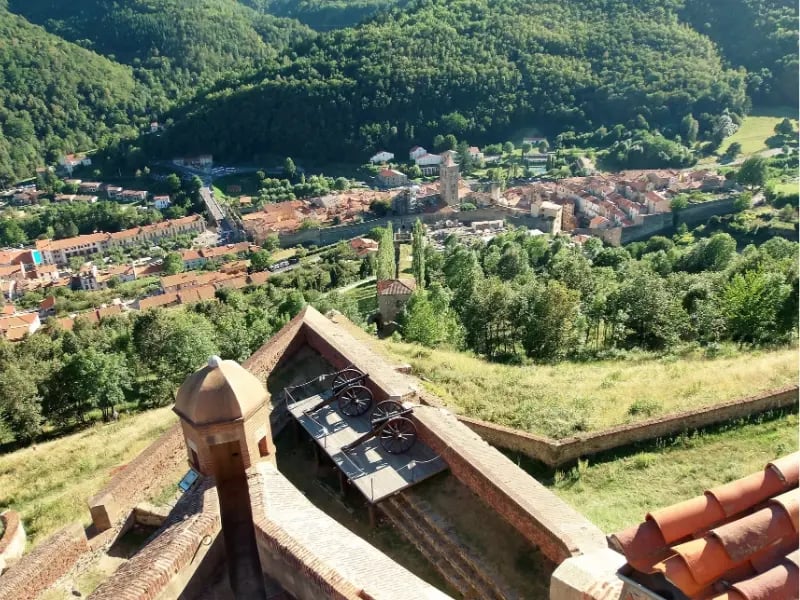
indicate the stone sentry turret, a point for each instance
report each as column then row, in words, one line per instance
column 224, row 412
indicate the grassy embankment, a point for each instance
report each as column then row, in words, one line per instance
column 617, row 490
column 757, row 128
column 569, row 398
column 50, row 483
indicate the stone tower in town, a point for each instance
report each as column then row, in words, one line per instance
column 448, row 179
column 224, row 412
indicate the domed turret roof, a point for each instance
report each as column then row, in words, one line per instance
column 222, row 391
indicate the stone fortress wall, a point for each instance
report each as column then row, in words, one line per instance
column 533, row 510
column 555, row 453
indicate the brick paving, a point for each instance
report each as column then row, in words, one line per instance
column 328, row 545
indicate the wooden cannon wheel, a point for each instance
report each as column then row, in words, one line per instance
column 355, row 400
column 398, row 435
column 384, row 410
column 345, row 375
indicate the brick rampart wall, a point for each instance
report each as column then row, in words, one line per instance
column 12, row 544
column 539, row 515
column 142, row 476
column 48, row 562
column 558, row 452
column 288, row 562
column 263, row 361
column 175, row 551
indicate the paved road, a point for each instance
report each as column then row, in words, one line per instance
column 214, row 209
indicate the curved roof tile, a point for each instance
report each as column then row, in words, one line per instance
column 723, row 544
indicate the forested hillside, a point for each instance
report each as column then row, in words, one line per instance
column 55, row 97
column 479, row 69
column 760, row 35
column 323, row 15
column 179, row 45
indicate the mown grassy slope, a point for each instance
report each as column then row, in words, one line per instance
column 50, row 483
column 568, row 398
column 617, row 491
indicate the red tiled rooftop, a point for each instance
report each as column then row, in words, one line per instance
column 396, row 287
column 736, row 541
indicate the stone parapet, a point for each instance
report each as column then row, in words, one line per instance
column 49, row 561
column 139, row 478
column 539, row 515
column 314, row 557
column 555, row 453
column 172, row 554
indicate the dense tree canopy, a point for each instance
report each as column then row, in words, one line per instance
column 180, row 45
column 56, row 97
column 518, row 295
column 760, row 35
column 322, row 15
column 474, row 69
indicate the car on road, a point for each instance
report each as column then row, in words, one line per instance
column 279, row 265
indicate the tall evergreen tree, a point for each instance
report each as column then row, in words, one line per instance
column 418, row 253
column 384, row 268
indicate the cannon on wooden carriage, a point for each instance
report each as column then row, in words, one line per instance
column 392, row 426
column 346, row 388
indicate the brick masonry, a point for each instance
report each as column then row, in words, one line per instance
column 175, row 548
column 48, row 562
column 326, row 560
column 12, row 544
column 142, row 476
column 555, row 453
column 538, row 514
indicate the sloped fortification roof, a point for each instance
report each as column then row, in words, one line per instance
column 220, row 392
column 737, row 541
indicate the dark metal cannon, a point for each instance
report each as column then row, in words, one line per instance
column 346, row 387
column 391, row 425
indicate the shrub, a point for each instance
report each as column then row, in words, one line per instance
column 644, row 407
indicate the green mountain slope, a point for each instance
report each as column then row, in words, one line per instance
column 479, row 69
column 760, row 35
column 55, row 97
column 180, row 44
column 323, row 15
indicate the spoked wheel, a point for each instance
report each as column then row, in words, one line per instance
column 355, row 400
column 398, row 435
column 348, row 374
column 383, row 411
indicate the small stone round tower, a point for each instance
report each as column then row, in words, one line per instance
column 224, row 413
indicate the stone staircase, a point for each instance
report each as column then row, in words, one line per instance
column 437, row 540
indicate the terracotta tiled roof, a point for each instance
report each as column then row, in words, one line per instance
column 92, row 238
column 16, row 334
column 396, row 287
column 161, row 300
column 47, row 303
column 8, row 310
column 738, row 541
column 259, row 278
column 67, row 323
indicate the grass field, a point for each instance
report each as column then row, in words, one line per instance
column 786, row 188
column 757, row 128
column 567, row 398
column 618, row 490
column 50, row 483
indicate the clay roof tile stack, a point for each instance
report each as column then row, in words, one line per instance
column 737, row 541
